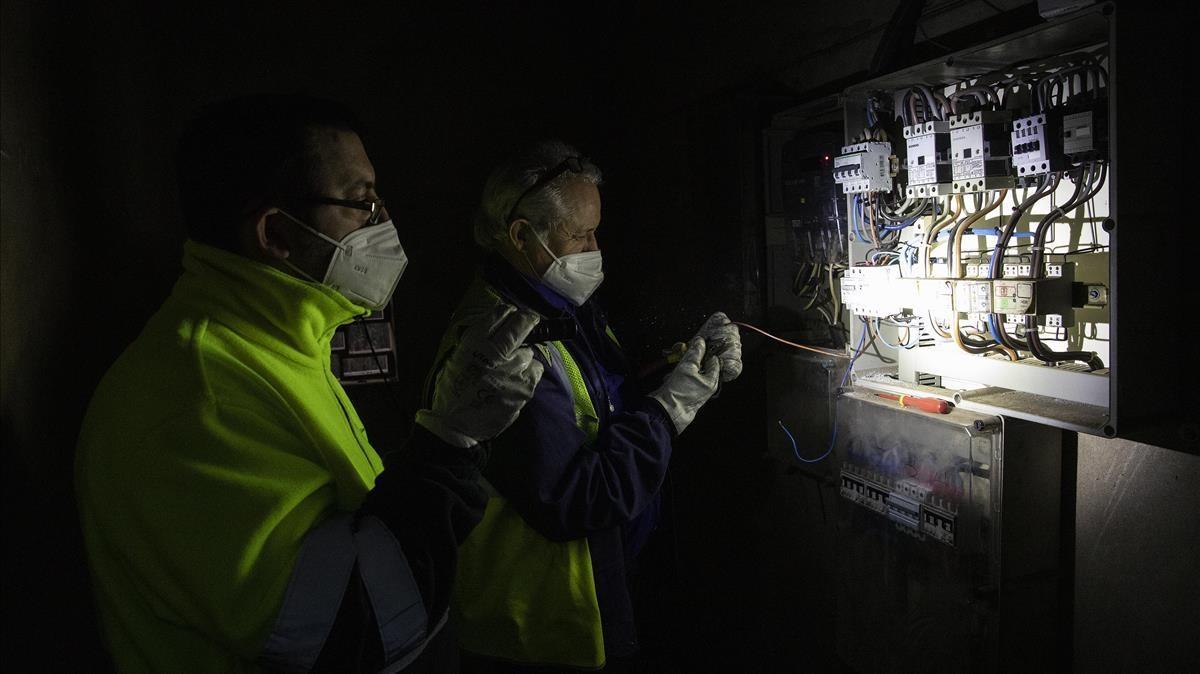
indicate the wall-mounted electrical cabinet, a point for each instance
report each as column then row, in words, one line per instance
column 991, row 272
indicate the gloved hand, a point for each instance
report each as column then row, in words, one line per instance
column 486, row 380
column 725, row 342
column 689, row 385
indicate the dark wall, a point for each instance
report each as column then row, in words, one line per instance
column 670, row 103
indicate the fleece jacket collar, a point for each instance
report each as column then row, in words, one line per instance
column 280, row 312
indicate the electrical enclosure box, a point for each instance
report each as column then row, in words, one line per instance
column 944, row 273
column 947, row 543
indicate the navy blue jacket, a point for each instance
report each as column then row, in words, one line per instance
column 608, row 492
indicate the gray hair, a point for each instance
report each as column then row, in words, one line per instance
column 542, row 208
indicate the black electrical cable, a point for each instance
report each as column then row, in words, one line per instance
column 1087, row 176
column 1045, row 188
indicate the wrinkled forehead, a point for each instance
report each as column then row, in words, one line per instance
column 341, row 167
column 583, row 202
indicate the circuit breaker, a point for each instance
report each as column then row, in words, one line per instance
column 864, row 167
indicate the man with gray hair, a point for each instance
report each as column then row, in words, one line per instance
column 575, row 480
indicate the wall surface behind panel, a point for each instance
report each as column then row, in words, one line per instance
column 1137, row 557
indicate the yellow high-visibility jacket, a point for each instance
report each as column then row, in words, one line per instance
column 213, row 445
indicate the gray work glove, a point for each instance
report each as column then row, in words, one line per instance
column 486, row 380
column 725, row 342
column 689, row 385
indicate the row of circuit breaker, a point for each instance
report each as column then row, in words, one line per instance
column 974, row 152
column 881, row 291
column 907, row 503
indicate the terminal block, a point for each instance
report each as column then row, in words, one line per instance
column 1014, row 296
column 864, row 167
column 979, row 142
column 928, row 162
column 1037, row 147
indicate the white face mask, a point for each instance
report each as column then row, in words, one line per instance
column 575, row 276
column 366, row 265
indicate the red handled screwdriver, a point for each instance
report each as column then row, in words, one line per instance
column 931, row 405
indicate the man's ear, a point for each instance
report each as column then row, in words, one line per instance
column 518, row 233
column 267, row 233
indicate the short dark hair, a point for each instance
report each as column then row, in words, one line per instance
column 246, row 152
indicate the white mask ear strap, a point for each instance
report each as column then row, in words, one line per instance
column 310, row 230
column 532, row 269
column 543, row 243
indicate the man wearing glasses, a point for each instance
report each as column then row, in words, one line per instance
column 575, row 479
column 236, row 516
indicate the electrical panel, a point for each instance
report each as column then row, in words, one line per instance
column 980, row 254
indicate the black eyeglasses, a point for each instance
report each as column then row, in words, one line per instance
column 572, row 164
column 375, row 208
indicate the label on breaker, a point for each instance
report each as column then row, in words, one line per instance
column 921, row 171
column 925, row 157
column 1077, row 133
column 863, row 167
column 1012, row 297
column 973, row 297
column 966, row 143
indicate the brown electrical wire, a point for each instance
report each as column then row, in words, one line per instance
column 825, row 352
column 871, row 227
column 938, row 225
column 979, row 348
column 962, row 227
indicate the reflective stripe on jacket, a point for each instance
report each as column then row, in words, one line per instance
column 521, row 596
column 518, row 595
column 565, row 482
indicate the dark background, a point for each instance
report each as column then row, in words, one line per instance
column 669, row 101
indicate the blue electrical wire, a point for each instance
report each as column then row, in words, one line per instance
column 903, row 224
column 856, row 216
column 796, row 450
column 858, row 351
column 995, row 329
column 985, row 232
